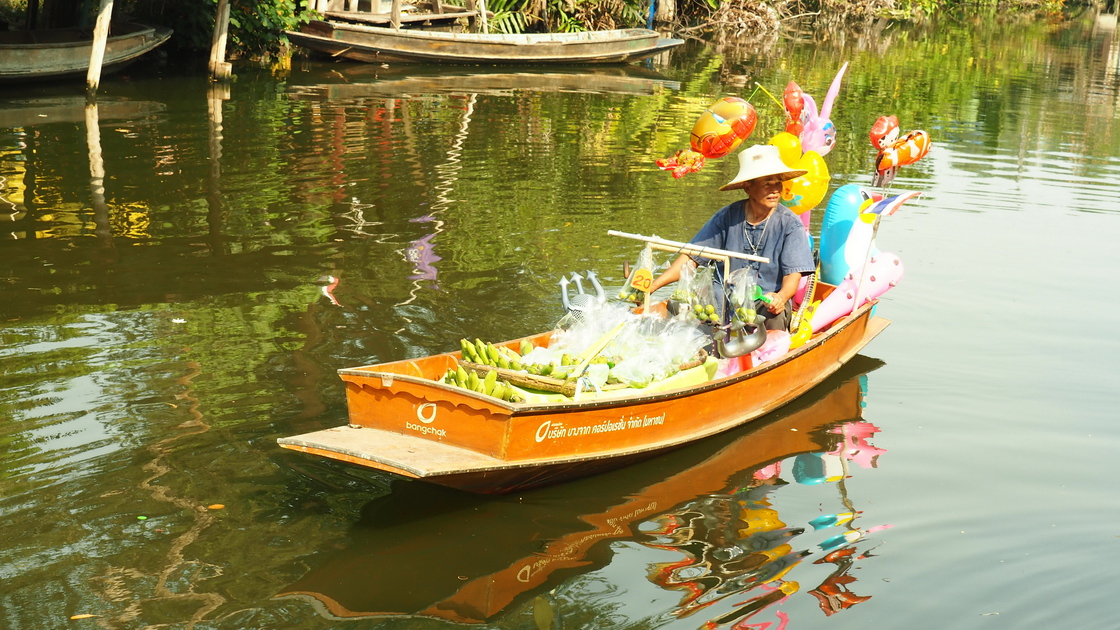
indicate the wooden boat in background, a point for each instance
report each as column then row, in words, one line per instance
column 405, row 421
column 35, row 55
column 374, row 44
column 430, row 563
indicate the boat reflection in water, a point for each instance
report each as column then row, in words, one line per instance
column 427, row 551
column 346, row 82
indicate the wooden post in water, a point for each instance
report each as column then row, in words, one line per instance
column 395, row 15
column 97, row 175
column 97, row 54
column 219, row 69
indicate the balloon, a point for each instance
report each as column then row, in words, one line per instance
column 804, row 329
column 719, row 131
column 794, row 103
column 789, row 146
column 776, row 347
column 819, row 134
column 804, row 193
column 843, row 207
column 906, row 150
column 723, row 127
column 884, row 132
column 883, row 272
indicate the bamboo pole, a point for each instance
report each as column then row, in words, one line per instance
column 219, row 69
column 97, row 53
column 395, row 15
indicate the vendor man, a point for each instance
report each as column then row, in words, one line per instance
column 760, row 226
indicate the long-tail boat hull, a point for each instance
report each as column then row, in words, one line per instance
column 535, row 544
column 405, row 421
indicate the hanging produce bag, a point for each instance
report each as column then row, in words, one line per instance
column 641, row 278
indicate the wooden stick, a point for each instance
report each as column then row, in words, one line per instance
column 689, row 248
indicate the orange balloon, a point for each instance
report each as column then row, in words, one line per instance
column 906, row 150
column 723, row 127
column 804, row 193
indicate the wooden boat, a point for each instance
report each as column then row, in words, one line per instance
column 374, row 44
column 404, row 420
column 65, row 53
column 429, row 563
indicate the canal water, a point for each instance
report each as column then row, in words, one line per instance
column 184, row 268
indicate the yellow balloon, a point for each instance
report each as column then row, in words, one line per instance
column 789, row 146
column 804, row 193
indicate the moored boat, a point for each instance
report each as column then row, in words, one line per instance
column 373, row 44
column 34, row 55
column 405, row 420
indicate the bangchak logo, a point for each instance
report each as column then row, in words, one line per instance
column 426, row 414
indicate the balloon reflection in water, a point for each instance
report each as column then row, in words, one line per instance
column 737, row 543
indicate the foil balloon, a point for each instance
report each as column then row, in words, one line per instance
column 794, row 103
column 719, row 131
column 789, row 147
column 819, row 134
column 906, row 150
column 802, row 194
column 884, row 132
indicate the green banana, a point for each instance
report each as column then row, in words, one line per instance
column 461, row 377
column 489, row 381
column 526, row 347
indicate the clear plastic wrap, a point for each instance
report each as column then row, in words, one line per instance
column 640, row 279
column 653, row 348
column 743, row 289
column 704, row 302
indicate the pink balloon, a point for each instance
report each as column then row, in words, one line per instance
column 883, row 272
column 818, row 133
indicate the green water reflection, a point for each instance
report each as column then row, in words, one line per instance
column 183, row 269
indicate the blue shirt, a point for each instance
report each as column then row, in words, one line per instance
column 784, row 242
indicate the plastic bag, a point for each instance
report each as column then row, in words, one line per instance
column 641, row 278
column 704, row 307
column 680, row 302
column 651, row 349
column 743, row 289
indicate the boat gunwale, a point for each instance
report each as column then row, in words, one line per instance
column 139, row 29
column 514, row 39
column 527, row 409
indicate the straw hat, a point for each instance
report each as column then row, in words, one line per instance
column 761, row 160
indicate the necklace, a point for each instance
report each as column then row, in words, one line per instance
column 747, row 236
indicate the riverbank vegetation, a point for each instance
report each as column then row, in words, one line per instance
column 256, row 26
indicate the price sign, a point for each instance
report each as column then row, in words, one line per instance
column 643, row 279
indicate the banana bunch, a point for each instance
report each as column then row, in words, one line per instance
column 488, row 385
column 478, row 351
